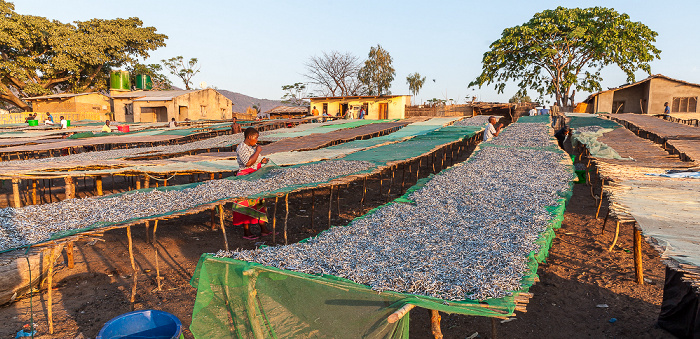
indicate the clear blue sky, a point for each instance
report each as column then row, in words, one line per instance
column 255, row 47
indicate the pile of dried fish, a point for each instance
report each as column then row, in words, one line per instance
column 32, row 224
column 525, row 135
column 468, row 235
column 479, row 120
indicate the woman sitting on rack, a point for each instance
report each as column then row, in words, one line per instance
column 248, row 212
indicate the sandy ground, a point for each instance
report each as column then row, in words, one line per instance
column 579, row 274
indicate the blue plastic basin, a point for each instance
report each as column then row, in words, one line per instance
column 151, row 324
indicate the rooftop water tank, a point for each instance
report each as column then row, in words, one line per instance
column 120, row 80
column 144, row 82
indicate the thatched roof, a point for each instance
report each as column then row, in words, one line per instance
column 289, row 110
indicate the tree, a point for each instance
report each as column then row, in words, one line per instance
column 561, row 51
column 520, row 97
column 160, row 81
column 377, row 73
column 415, row 83
column 335, row 73
column 294, row 94
column 182, row 70
column 40, row 56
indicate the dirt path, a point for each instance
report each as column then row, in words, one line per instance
column 580, row 274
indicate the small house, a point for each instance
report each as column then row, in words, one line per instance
column 376, row 107
column 71, row 102
column 162, row 106
column 648, row 97
column 282, row 112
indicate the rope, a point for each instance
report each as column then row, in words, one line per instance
column 154, row 178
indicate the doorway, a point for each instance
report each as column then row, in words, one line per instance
column 343, row 109
column 383, row 111
column 182, row 113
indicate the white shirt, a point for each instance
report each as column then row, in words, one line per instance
column 244, row 152
column 489, row 132
column 64, row 124
column 533, row 112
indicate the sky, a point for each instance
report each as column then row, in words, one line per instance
column 256, row 47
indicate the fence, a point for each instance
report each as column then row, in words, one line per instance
column 19, row 118
column 441, row 111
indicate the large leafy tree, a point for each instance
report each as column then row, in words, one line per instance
column 415, row 83
column 561, row 51
column 40, row 56
column 294, row 94
column 181, row 69
column 377, row 72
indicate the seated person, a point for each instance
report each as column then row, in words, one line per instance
column 106, row 128
column 248, row 212
column 172, row 123
column 491, row 130
column 562, row 135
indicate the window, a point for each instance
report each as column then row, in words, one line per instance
column 685, row 105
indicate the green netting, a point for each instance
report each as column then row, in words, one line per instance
column 578, row 122
column 242, row 299
column 327, row 128
column 185, row 131
column 535, row 119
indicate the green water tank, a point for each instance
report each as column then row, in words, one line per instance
column 120, row 80
column 144, row 82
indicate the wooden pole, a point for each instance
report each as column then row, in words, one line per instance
column 98, row 185
column 638, row 269
column 400, row 313
column 70, row 188
column 274, row 218
column 133, row 264
column 137, row 179
column 313, row 204
column 494, row 330
column 420, row 161
column 364, row 193
column 223, row 227
column 155, row 229
column 330, row 204
column 147, row 224
column 403, row 176
column 50, row 193
column 69, row 254
column 605, row 221
column 286, row 216
column 435, row 324
column 50, row 285
column 600, row 203
column 15, row 193
column 34, row 184
column 155, row 248
column 617, row 233
column 146, row 181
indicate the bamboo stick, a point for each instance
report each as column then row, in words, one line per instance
column 330, row 204
column 70, row 188
column 69, row 254
column 274, row 219
column 617, row 233
column 34, row 184
column 98, row 184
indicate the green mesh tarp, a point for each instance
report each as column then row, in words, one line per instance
column 238, row 299
column 580, row 136
column 578, row 122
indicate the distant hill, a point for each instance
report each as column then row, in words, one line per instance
column 242, row 101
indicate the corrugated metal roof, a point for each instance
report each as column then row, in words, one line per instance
column 288, row 109
column 60, row 96
column 359, row 97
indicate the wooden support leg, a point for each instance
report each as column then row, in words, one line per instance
column 403, row 177
column 494, row 329
column 148, row 225
column 420, row 161
column 50, row 286
column 223, row 227
column 274, row 219
column 617, row 233
column 70, row 188
column 602, row 231
column 146, row 181
column 330, row 204
column 98, row 185
column 313, row 205
column 34, row 184
column 638, row 269
column 158, row 279
column 133, row 265
column 155, row 229
column 69, row 254
column 15, row 193
column 364, row 193
column 600, row 203
column 435, row 324
column 286, row 216
column 50, row 193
